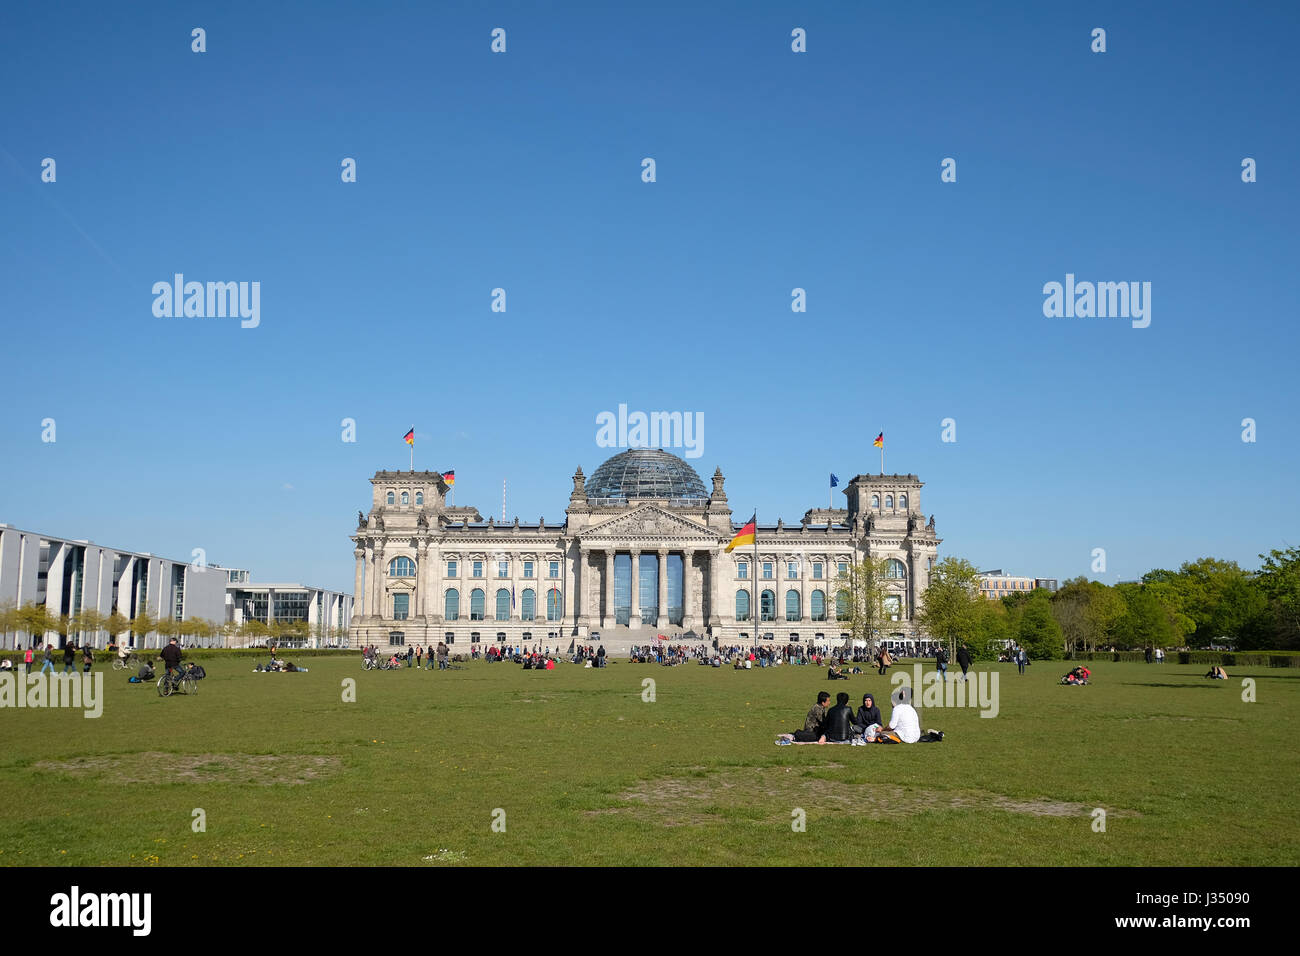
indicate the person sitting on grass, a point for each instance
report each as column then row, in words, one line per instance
column 146, row 671
column 904, row 724
column 1218, row 673
column 834, row 673
column 838, row 727
column 812, row 724
column 868, row 717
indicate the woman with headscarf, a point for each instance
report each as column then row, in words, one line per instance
column 868, row 714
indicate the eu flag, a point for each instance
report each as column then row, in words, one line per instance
column 834, row 481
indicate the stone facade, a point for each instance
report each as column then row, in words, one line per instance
column 622, row 570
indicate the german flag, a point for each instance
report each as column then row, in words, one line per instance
column 409, row 437
column 880, row 441
column 744, row 536
column 449, row 477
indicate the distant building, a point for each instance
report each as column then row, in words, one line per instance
column 998, row 584
column 327, row 613
column 69, row 575
column 1047, row 584
column 640, row 551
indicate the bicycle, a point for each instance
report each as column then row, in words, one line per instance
column 129, row 663
column 183, row 680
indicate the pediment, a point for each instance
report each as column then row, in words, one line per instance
column 647, row 524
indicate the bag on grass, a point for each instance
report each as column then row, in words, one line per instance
column 931, row 737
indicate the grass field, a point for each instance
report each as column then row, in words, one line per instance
column 586, row 772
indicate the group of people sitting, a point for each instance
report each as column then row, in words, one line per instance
column 538, row 662
column 835, row 672
column 841, row 724
column 1077, row 676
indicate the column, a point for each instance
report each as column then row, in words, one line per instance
column 714, row 616
column 377, row 583
column 634, row 616
column 360, row 555
column 688, row 619
column 608, row 617
column 662, row 620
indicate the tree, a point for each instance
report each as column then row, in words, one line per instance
column 142, row 624
column 951, row 601
column 1278, row 580
column 8, row 620
column 1038, row 631
column 991, row 629
column 116, row 624
column 864, row 582
column 1146, row 622
column 90, row 622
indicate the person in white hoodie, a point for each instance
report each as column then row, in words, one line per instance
column 904, row 723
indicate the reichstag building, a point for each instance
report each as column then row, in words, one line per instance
column 640, row 552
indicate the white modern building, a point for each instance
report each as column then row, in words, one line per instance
column 328, row 614
column 69, row 575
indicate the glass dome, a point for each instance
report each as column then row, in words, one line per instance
column 645, row 473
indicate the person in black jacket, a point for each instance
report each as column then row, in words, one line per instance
column 839, row 721
column 941, row 661
column 868, row 714
column 171, row 655
column 963, row 658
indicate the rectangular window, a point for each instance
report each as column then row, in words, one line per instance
column 555, row 569
column 844, row 567
column 478, row 569
column 503, row 569
column 767, row 569
column 528, row 569
column 451, row 569
column 792, row 570
column 817, row 570
column 401, row 607
column 742, row 570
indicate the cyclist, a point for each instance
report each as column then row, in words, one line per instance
column 171, row 655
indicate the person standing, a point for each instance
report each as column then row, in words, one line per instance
column 87, row 658
column 419, row 657
column 941, row 662
column 442, row 656
column 1021, row 659
column 49, row 659
column 27, row 657
column 1147, row 655
column 70, row 657
column 1160, row 655
column 410, row 656
column 963, row 658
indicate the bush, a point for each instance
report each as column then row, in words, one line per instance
column 1241, row 658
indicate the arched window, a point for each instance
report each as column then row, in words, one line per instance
column 842, row 605
column 896, row 570
column 419, row 497
column 402, row 567
column 875, row 501
column 554, row 605
column 451, row 606
column 767, row 606
column 476, row 604
column 406, row 497
column 818, row 603
column 902, row 502
column 889, row 501
column 742, row 605
column 503, row 604
column 792, row 605
column 528, row 605
column 391, row 498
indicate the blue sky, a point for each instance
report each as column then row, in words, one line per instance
column 775, row 170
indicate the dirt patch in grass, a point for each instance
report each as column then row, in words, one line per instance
column 156, row 767
column 680, row 801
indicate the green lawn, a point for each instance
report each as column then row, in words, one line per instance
column 588, row 773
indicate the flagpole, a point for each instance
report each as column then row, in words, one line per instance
column 412, row 449
column 758, row 609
